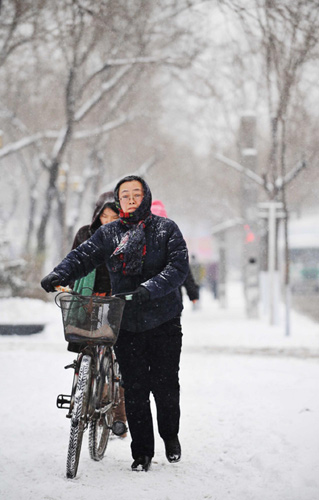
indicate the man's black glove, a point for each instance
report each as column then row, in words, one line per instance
column 50, row 281
column 141, row 295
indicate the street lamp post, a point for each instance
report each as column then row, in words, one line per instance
column 272, row 211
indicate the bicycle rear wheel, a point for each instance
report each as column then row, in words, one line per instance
column 78, row 416
column 101, row 424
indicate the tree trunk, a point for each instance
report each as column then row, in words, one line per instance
column 50, row 195
column 32, row 211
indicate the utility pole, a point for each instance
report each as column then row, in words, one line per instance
column 248, row 159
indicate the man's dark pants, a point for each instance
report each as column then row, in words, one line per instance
column 149, row 362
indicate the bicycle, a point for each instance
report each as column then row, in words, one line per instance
column 93, row 323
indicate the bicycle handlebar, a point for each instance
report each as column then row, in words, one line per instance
column 125, row 296
column 66, row 289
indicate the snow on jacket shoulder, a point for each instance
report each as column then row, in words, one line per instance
column 165, row 268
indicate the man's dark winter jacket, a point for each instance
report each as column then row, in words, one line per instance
column 164, row 270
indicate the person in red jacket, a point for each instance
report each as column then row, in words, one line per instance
column 190, row 285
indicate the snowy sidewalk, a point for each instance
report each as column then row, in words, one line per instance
column 249, row 423
column 228, row 330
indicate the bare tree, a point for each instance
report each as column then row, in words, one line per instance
column 289, row 41
column 19, row 25
column 101, row 52
column 284, row 37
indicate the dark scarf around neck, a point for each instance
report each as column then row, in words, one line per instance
column 128, row 257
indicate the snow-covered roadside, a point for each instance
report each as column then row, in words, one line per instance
column 249, row 427
column 228, row 330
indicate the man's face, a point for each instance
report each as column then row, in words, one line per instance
column 130, row 195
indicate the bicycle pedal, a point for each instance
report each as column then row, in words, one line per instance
column 72, row 365
column 63, row 401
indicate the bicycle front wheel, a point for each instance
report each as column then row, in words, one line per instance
column 79, row 416
column 101, row 424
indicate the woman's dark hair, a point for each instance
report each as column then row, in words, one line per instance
column 105, row 200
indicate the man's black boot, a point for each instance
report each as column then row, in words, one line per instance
column 173, row 450
column 141, row 463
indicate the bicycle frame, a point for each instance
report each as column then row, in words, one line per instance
column 97, row 353
column 94, row 396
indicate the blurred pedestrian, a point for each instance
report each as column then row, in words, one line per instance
column 197, row 270
column 212, row 278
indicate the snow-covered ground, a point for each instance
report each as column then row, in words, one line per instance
column 250, row 413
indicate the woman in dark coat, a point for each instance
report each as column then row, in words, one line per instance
column 146, row 254
column 105, row 211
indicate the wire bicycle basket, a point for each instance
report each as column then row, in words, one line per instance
column 91, row 319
